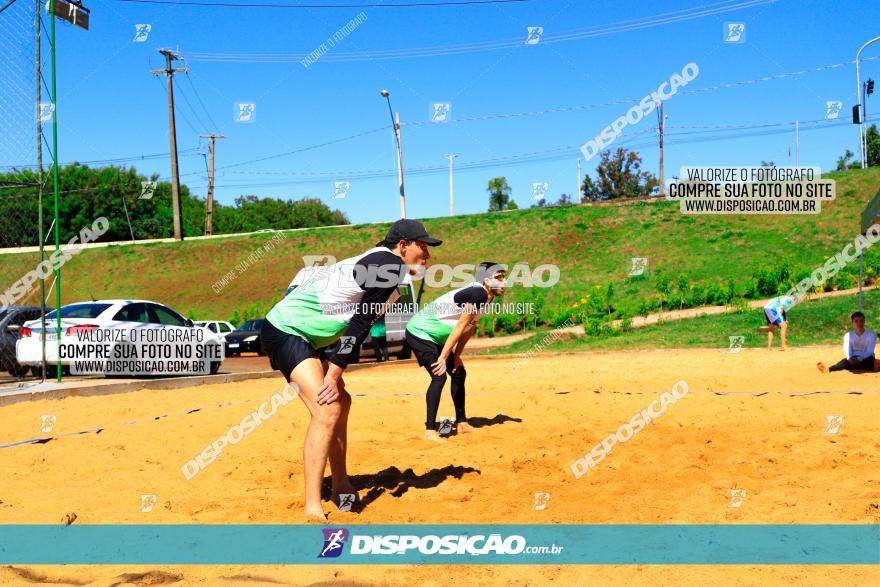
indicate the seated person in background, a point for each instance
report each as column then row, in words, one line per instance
column 858, row 348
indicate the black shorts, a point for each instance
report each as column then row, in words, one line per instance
column 286, row 351
column 426, row 351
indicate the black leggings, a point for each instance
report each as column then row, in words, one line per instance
column 380, row 348
column 866, row 364
column 436, row 387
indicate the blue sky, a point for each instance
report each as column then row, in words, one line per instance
column 110, row 106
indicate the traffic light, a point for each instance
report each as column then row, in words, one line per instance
column 857, row 114
column 870, row 87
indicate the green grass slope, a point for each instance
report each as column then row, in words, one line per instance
column 590, row 244
column 821, row 321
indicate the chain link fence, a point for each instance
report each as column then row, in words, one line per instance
column 24, row 105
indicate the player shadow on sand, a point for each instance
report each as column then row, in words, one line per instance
column 480, row 422
column 396, row 482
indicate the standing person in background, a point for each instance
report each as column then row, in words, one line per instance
column 775, row 314
column 380, row 342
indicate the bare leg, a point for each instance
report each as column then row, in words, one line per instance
column 309, row 376
column 770, row 337
column 340, row 482
column 782, row 329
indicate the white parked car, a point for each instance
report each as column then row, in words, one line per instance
column 83, row 316
column 218, row 327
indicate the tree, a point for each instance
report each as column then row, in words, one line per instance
column 564, row 200
column 87, row 193
column 872, row 138
column 619, row 176
column 542, row 203
column 843, row 162
column 499, row 195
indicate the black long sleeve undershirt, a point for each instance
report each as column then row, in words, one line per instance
column 372, row 273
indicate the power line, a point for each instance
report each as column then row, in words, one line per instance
column 185, row 152
column 557, row 110
column 190, row 152
column 199, row 98
column 661, row 19
column 310, row 6
column 181, row 112
column 556, row 153
column 192, row 110
column 301, row 150
column 580, row 107
column 7, row 5
column 553, row 154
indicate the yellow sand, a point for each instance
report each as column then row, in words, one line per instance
column 541, row 417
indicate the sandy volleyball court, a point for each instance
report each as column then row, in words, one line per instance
column 533, row 422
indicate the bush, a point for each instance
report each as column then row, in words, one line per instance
column 738, row 306
column 846, row 281
column 663, row 288
column 647, row 306
column 508, row 323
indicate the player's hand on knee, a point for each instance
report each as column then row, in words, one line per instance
column 457, row 364
column 439, row 367
column 329, row 392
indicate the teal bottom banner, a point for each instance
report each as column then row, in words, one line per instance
column 160, row 544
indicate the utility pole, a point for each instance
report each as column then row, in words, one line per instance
column 797, row 143
column 209, row 211
column 175, row 178
column 451, row 156
column 662, row 124
column 580, row 199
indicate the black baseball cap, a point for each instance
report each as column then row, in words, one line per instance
column 408, row 230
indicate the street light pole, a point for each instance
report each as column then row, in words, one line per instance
column 396, row 123
column 451, row 156
column 863, row 148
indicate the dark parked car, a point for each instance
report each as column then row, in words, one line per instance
column 245, row 338
column 12, row 318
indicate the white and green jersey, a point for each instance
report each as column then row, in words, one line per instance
column 436, row 321
column 340, row 299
